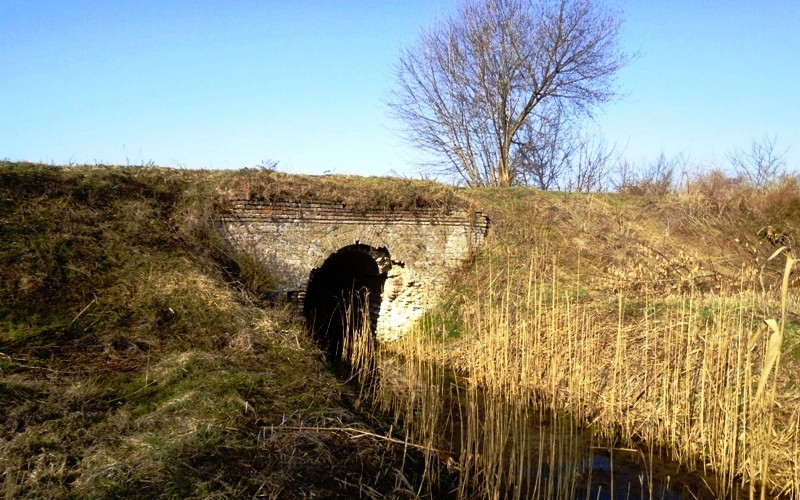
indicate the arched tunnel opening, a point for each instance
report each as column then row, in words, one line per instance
column 343, row 294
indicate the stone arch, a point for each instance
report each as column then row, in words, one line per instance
column 343, row 237
column 350, row 279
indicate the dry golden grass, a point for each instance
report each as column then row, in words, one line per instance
column 138, row 357
column 360, row 194
column 699, row 377
column 668, row 323
column 129, row 366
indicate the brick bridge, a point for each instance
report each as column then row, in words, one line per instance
column 318, row 251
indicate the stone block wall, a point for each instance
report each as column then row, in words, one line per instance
column 425, row 247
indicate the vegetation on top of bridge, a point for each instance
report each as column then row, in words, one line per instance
column 360, row 194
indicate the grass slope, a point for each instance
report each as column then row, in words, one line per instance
column 136, row 358
column 645, row 317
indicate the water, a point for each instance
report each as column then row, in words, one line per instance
column 509, row 449
column 504, row 446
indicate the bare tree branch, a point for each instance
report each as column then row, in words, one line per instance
column 762, row 165
column 489, row 90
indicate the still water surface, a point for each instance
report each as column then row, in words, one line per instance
column 507, row 450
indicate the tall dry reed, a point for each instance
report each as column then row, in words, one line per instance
column 696, row 375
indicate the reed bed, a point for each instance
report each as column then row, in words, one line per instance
column 696, row 376
column 500, row 447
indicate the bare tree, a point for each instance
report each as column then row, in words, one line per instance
column 483, row 89
column 760, row 166
column 547, row 154
column 561, row 156
column 624, row 175
column 656, row 177
column 591, row 164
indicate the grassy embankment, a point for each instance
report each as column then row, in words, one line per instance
column 130, row 363
column 138, row 357
column 671, row 320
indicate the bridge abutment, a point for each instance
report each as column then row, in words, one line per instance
column 416, row 251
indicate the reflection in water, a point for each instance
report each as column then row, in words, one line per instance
column 507, row 449
column 503, row 446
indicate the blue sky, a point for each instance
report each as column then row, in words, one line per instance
column 230, row 84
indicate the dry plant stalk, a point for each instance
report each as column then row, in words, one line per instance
column 695, row 374
column 687, row 372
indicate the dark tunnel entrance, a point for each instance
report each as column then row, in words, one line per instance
column 344, row 293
